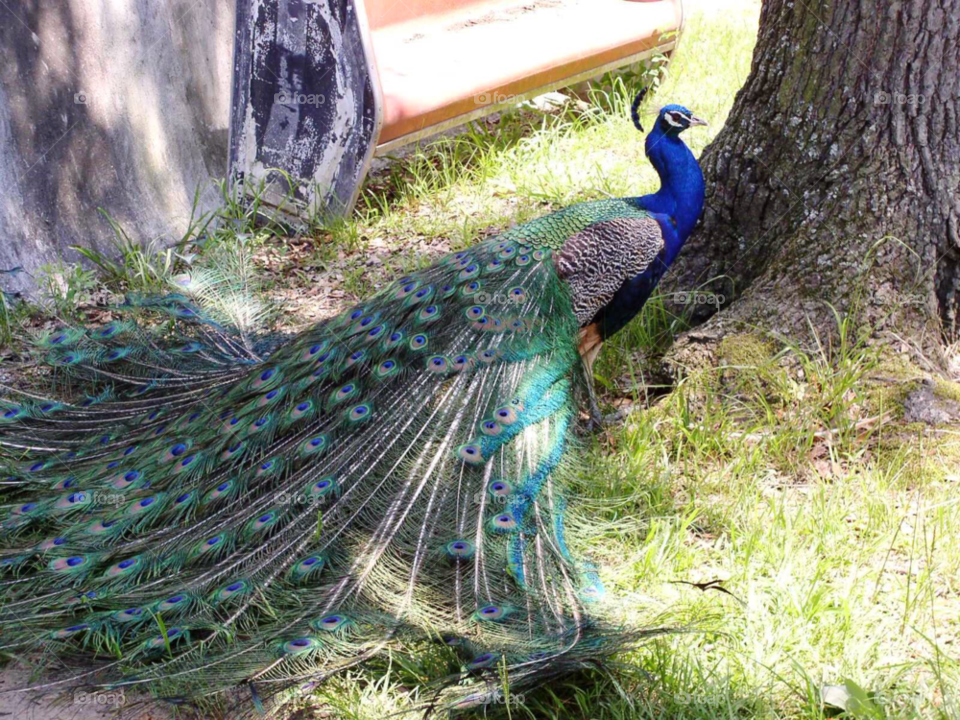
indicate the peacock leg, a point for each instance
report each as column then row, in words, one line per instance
column 590, row 344
column 595, row 422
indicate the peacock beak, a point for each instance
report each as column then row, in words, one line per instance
column 694, row 121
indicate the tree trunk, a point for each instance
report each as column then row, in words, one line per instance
column 836, row 179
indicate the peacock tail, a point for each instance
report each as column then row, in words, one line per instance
column 213, row 512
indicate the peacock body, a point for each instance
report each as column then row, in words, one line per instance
column 209, row 515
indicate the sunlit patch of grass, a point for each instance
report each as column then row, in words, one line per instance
column 832, row 530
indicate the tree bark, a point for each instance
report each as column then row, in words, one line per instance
column 836, row 179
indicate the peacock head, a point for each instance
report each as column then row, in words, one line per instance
column 671, row 120
column 674, row 119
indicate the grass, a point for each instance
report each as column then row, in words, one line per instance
column 786, row 475
column 835, row 545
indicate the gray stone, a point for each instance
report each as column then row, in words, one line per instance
column 925, row 406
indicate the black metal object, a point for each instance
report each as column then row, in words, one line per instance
column 305, row 111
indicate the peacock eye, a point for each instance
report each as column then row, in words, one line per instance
column 676, row 119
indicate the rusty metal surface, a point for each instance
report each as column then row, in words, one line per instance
column 305, row 101
column 515, row 96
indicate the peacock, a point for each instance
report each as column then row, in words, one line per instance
column 203, row 516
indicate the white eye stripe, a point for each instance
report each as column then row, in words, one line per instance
column 669, row 117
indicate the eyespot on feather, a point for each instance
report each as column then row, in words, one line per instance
column 438, row 364
column 459, row 549
column 233, row 452
column 491, row 428
column 359, row 413
column 313, row 352
column 355, row 357
column 500, row 488
column 175, row 452
column 322, row 488
column 74, row 500
column 302, row 410
column 123, row 568
column 429, row 314
column 387, row 369
column 395, row 338
column 492, row 613
column 464, row 362
column 300, row 646
column 483, row 661
column 470, row 289
column 418, row 342
column 219, row 491
column 69, row 631
column 231, row 591
column 334, row 622
column 130, row 615
column 306, row 568
column 503, row 522
column 344, row 392
column 265, row 378
column 314, row 445
column 470, row 453
column 70, row 565
column 406, row 289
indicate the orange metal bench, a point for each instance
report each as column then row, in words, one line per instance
column 445, row 62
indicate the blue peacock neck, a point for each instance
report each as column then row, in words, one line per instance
column 678, row 204
column 681, row 190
